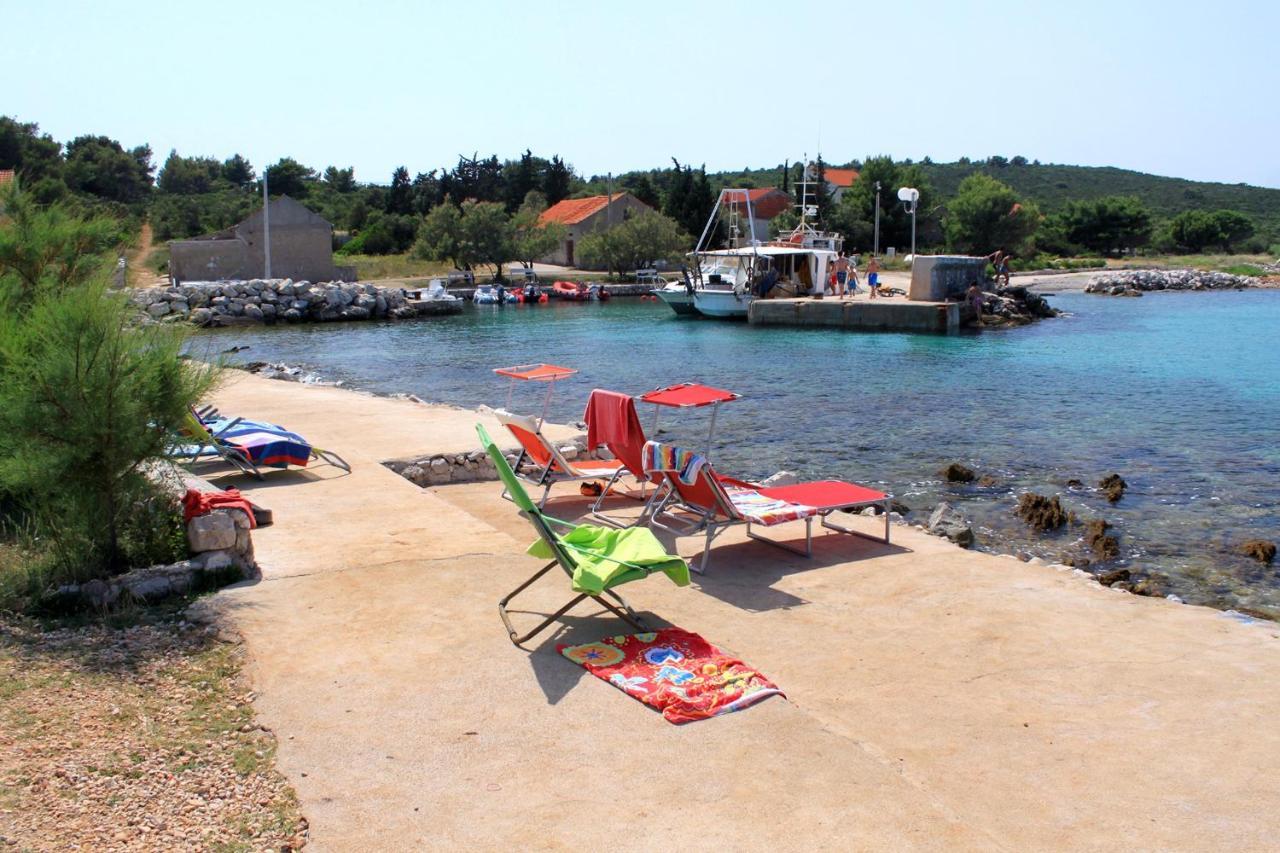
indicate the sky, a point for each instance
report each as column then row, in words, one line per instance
column 1171, row 88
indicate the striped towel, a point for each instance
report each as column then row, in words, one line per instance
column 668, row 458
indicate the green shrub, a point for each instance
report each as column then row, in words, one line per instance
column 88, row 401
column 1244, row 269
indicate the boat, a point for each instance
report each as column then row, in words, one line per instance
column 436, row 292
column 678, row 295
column 488, row 294
column 600, row 293
column 532, row 294
column 571, row 290
column 724, row 282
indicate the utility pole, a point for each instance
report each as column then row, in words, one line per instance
column 608, row 202
column 876, row 250
column 266, row 226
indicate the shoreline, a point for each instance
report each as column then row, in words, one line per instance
column 993, row 540
column 903, row 665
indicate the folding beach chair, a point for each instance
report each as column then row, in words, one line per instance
column 712, row 502
column 201, row 444
column 550, row 465
column 596, row 559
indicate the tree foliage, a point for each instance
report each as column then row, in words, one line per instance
column 1197, row 230
column 986, row 215
column 291, row 178
column 1105, row 225
column 854, row 216
column 635, row 243
column 99, row 166
column 88, row 398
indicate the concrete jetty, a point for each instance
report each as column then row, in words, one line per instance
column 887, row 314
column 937, row 698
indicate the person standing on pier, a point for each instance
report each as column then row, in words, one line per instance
column 873, row 276
column 842, row 274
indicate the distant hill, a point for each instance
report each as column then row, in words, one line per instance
column 1051, row 186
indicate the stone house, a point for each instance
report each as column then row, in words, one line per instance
column 585, row 215
column 301, row 249
column 839, row 180
column 766, row 204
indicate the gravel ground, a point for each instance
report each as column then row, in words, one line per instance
column 134, row 737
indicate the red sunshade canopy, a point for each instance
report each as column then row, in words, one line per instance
column 535, row 372
column 688, row 395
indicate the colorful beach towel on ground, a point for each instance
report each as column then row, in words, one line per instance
column 675, row 671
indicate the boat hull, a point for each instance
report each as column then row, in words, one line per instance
column 679, row 301
column 721, row 304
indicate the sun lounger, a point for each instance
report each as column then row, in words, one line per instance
column 711, row 502
column 550, row 465
column 596, row 559
column 250, row 445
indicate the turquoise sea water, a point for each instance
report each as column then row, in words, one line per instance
column 1177, row 392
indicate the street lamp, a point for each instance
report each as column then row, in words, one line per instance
column 875, row 251
column 910, row 198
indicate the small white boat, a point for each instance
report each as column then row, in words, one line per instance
column 436, row 292
column 487, row 294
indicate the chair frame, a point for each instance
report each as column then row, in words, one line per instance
column 557, row 469
column 542, row 523
column 198, row 424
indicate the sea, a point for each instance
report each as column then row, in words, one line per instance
column 1178, row 393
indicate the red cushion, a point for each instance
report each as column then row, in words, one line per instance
column 825, row 494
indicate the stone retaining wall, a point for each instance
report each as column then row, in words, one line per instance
column 438, row 469
column 226, row 303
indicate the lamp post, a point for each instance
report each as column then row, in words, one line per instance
column 910, row 198
column 266, row 227
column 875, row 252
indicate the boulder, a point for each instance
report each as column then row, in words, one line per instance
column 1095, row 536
column 253, row 312
column 1113, row 577
column 957, row 473
column 1113, row 486
column 158, row 309
column 293, row 315
column 215, row 531
column 201, row 316
column 945, row 521
column 1040, row 512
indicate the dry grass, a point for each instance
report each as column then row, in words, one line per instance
column 137, row 735
column 1199, row 262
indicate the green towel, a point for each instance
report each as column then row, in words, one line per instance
column 594, row 549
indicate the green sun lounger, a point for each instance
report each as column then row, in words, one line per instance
column 596, row 559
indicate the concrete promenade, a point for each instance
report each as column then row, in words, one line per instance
column 937, row 698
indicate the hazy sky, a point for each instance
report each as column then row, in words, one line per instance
column 1172, row 87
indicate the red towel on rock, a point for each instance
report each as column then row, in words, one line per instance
column 612, row 421
column 196, row 503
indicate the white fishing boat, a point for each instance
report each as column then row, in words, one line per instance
column 722, row 283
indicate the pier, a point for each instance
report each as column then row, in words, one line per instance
column 885, row 315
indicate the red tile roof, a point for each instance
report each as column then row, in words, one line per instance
column 6, row 176
column 766, row 203
column 841, row 177
column 571, row 211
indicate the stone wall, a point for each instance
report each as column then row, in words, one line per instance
column 225, row 303
column 1135, row 282
column 438, row 469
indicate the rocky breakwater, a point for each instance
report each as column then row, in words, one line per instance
column 1137, row 282
column 229, row 303
column 1014, row 306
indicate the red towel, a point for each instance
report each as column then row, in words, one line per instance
column 195, row 503
column 612, row 421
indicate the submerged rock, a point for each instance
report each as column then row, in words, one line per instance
column 1040, row 512
column 1113, row 486
column 1259, row 549
column 957, row 473
column 1104, row 547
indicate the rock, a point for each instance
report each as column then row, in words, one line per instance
column 945, row 521
column 1040, row 512
column 1259, row 549
column 201, row 316
column 781, row 478
column 1104, row 547
column 441, row 470
column 957, row 473
column 986, row 481
column 215, row 531
column 356, row 312
column 178, row 307
column 569, row 452
column 899, row 507
column 1113, row 486
column 158, row 309
column 253, row 311
column 1112, row 577
column 1075, row 484
column 293, row 315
